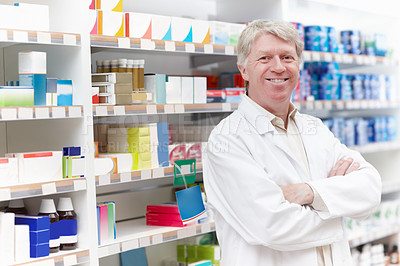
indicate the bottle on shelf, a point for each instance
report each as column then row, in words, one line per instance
column 136, row 75
column 47, row 208
column 114, row 65
column 17, row 207
column 122, row 65
column 106, row 66
column 394, row 255
column 141, row 75
column 99, row 66
column 68, row 224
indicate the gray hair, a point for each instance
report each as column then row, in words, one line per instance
column 282, row 29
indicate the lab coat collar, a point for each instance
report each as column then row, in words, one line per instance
column 261, row 122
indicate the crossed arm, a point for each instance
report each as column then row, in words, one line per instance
column 302, row 193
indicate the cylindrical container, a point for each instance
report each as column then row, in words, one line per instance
column 130, row 69
column 68, row 224
column 122, row 65
column 324, row 39
column 136, row 75
column 17, row 206
column 99, row 65
column 114, row 65
column 312, row 38
column 332, row 40
column 47, row 208
column 141, row 75
column 106, row 66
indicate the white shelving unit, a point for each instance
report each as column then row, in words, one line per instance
column 72, row 53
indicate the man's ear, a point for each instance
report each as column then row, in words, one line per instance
column 243, row 72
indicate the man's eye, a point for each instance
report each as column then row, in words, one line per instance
column 288, row 58
column 263, row 58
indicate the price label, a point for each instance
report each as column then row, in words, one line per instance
column 208, row 49
column 42, row 113
column 144, row 242
column 3, row 36
column 79, row 185
column 169, row 109
column 158, row 172
column 119, row 110
column 229, row 50
column 43, row 37
column 339, row 58
column 74, row 111
column 125, row 177
column 205, row 228
column 360, row 60
column 179, row 108
column 340, row 105
column 170, row 46
column 114, row 249
column 190, row 231
column 182, row 233
column 328, row 57
column 129, row 245
column 316, row 57
column 147, row 44
column 5, row 194
column 151, row 109
column 189, row 47
column 9, row 114
column 25, row 113
column 309, row 105
column 145, row 174
column 318, row 105
column 226, row 107
column 101, row 110
column 69, row 39
column 307, row 56
column 70, row 260
column 124, row 43
column 58, row 112
column 20, row 36
column 328, row 105
column 156, row 239
column 49, row 188
column 185, row 169
column 104, row 180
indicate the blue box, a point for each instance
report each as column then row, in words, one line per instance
column 71, row 151
column 51, row 85
column 36, row 223
column 39, row 84
column 64, row 92
column 39, row 237
column 41, row 250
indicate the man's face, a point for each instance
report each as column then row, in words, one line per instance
column 272, row 71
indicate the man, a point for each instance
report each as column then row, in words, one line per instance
column 278, row 181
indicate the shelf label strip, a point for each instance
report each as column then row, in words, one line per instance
column 128, row 245
column 9, row 114
column 74, row 111
column 125, row 177
column 20, row 36
column 104, row 180
column 79, row 185
column 49, row 188
column 144, row 242
column 58, row 112
column 42, row 113
column 25, row 113
column 5, row 194
column 43, row 37
column 3, row 36
column 70, row 260
column 69, row 39
column 119, row 110
column 170, row 46
column 124, row 43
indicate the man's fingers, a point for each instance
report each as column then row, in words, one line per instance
column 335, row 168
column 343, row 168
column 352, row 168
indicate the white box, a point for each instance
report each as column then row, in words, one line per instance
column 161, row 27
column 78, row 166
column 219, row 32
column 235, row 29
column 181, row 29
column 109, row 5
column 138, row 25
column 110, row 23
column 200, row 89
column 173, row 90
column 103, row 166
column 201, row 31
column 21, row 244
column 33, row 17
column 8, row 171
column 124, row 161
column 38, row 166
column 9, row 17
column 7, row 223
column 30, row 62
column 187, row 90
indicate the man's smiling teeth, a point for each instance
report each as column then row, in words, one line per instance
column 277, row 80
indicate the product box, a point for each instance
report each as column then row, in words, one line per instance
column 115, row 99
column 93, row 25
column 16, row 96
column 174, row 90
column 31, row 17
column 64, row 92
column 142, row 97
column 104, row 166
column 219, row 32
column 109, row 5
column 124, row 161
column 161, row 27
column 201, row 263
column 155, row 84
column 74, row 166
column 216, row 96
column 181, row 29
column 110, row 23
column 201, row 31
column 200, row 90
column 95, row 95
column 22, row 245
column 38, row 166
column 40, row 250
column 187, row 89
column 8, row 171
column 172, row 223
column 35, row 222
column 117, row 88
column 177, row 152
column 39, row 83
column 194, row 151
column 31, row 62
column 138, row 25
column 7, row 222
column 39, row 237
column 51, row 92
column 235, row 29
column 92, row 4
column 169, row 208
column 234, row 95
column 163, row 216
column 112, row 78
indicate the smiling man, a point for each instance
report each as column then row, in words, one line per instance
column 282, row 185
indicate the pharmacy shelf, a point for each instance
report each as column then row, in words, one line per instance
column 10, row 37
column 152, row 109
column 61, row 258
column 41, row 189
column 135, row 234
column 99, row 42
column 320, row 105
column 377, row 147
column 374, row 234
column 139, row 175
column 311, row 56
column 40, row 112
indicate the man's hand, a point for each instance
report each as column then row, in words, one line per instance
column 298, row 193
column 343, row 167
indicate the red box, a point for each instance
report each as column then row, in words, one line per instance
column 170, row 208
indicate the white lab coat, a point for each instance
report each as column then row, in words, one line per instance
column 246, row 162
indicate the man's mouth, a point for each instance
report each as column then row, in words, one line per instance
column 278, row 80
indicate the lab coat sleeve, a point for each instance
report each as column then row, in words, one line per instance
column 355, row 195
column 253, row 204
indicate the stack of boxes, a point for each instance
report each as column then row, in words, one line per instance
column 106, row 222
column 188, row 254
column 73, row 162
column 114, row 88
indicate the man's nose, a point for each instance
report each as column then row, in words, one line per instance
column 277, row 65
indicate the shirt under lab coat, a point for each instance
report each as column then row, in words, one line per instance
column 247, row 160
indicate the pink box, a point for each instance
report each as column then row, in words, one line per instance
column 170, row 208
column 163, row 216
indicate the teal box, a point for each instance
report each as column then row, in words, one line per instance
column 39, row 84
column 16, row 96
column 64, row 92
